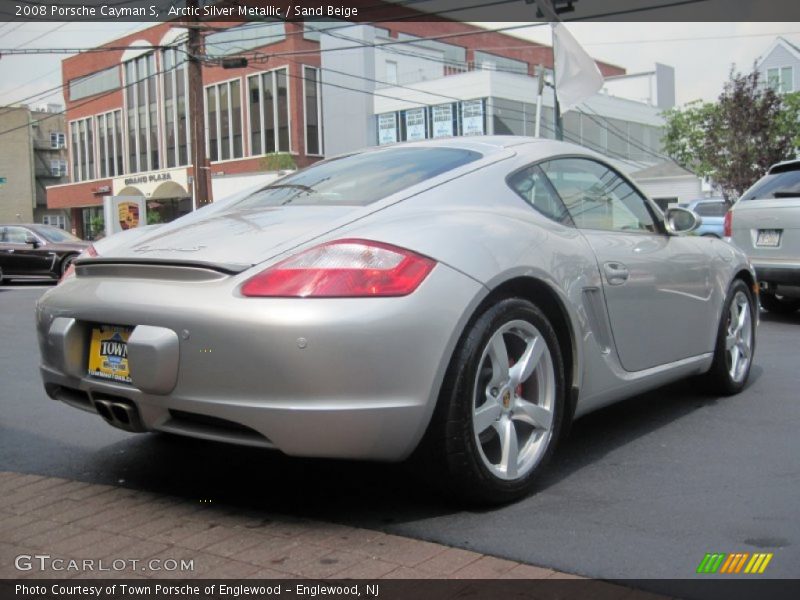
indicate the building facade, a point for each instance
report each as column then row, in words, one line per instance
column 33, row 155
column 779, row 66
column 308, row 90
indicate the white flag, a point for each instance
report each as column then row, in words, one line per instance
column 576, row 74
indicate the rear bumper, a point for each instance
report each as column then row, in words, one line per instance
column 340, row 378
column 778, row 274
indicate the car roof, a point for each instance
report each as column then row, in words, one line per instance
column 491, row 144
column 783, row 167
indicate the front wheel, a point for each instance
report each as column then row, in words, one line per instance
column 736, row 342
column 502, row 404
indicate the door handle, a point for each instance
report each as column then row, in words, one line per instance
column 616, row 273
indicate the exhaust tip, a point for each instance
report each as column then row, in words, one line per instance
column 119, row 412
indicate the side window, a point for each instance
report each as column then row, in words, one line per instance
column 597, row 198
column 533, row 187
column 16, row 235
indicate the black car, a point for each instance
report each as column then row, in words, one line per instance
column 36, row 251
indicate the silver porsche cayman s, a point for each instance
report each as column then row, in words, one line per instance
column 463, row 299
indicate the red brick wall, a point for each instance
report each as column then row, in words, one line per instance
column 77, row 194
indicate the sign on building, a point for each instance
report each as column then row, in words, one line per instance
column 387, row 128
column 415, row 124
column 443, row 120
column 472, row 117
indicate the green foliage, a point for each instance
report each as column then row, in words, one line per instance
column 97, row 227
column 154, row 217
column 734, row 140
column 279, row 161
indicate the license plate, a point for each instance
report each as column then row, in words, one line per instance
column 108, row 353
column 769, row 237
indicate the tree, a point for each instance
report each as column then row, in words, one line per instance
column 734, row 140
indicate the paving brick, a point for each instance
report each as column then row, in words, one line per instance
column 367, row 568
column 486, row 567
column 203, row 539
column 527, row 572
column 449, row 561
column 109, row 544
column 242, row 540
column 74, row 544
column 137, row 549
column 30, row 530
column 20, row 503
column 407, row 573
column 231, row 569
column 264, row 573
column 180, row 530
column 42, row 485
column 403, row 551
column 46, row 539
column 9, row 485
column 14, row 521
column 280, row 554
column 326, row 565
column 352, row 538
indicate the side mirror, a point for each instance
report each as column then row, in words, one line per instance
column 681, row 220
column 30, row 239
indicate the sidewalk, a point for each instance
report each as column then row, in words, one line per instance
column 70, row 520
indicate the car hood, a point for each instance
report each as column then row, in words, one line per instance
column 236, row 238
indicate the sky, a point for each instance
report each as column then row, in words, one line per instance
column 701, row 53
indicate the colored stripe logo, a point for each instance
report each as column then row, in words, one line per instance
column 735, row 563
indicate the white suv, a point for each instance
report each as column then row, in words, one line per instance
column 765, row 223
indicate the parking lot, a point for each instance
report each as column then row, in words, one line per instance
column 643, row 489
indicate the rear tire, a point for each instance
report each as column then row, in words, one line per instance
column 778, row 304
column 736, row 342
column 501, row 407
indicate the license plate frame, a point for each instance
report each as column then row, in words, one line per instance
column 108, row 353
column 769, row 238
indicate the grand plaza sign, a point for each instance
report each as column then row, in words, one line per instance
column 170, row 183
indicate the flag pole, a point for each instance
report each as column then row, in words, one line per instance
column 559, row 123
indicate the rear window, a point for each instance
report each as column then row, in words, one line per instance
column 776, row 185
column 711, row 209
column 359, row 179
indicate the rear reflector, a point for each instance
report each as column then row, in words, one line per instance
column 727, row 224
column 343, row 269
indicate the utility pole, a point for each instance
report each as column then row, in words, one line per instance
column 202, row 187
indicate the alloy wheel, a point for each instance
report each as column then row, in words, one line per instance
column 514, row 400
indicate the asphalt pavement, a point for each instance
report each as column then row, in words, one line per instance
column 642, row 489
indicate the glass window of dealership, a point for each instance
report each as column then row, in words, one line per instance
column 245, row 116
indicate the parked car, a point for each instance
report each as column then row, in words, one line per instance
column 460, row 300
column 712, row 215
column 765, row 223
column 37, row 251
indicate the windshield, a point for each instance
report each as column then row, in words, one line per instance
column 359, row 179
column 776, row 185
column 56, row 235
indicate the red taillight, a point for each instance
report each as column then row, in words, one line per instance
column 70, row 272
column 727, row 224
column 343, row 269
